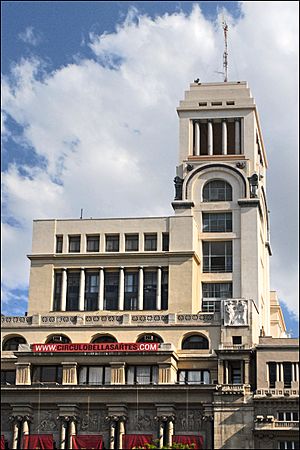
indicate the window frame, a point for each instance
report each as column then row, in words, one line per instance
column 106, row 375
column 132, row 238
column 186, row 373
column 112, row 240
column 150, row 242
column 93, row 238
column 153, row 374
column 210, row 258
column 207, row 196
column 59, row 243
column 208, row 219
column 41, row 368
column 74, row 239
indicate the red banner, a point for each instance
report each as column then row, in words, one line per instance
column 186, row 439
column 38, row 442
column 101, row 347
column 87, row 441
column 2, row 442
column 136, row 440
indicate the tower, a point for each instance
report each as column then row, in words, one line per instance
column 221, row 182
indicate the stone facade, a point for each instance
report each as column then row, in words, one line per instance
column 196, row 283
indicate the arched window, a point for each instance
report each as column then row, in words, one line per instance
column 13, row 343
column 58, row 338
column 150, row 338
column 195, row 341
column 217, row 191
column 104, row 338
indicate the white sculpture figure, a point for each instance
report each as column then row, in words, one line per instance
column 235, row 312
column 230, row 310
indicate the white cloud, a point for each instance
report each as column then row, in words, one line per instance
column 31, row 36
column 108, row 128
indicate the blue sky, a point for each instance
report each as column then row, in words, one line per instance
column 53, row 53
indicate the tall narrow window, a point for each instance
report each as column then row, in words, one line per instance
column 164, row 288
column 91, row 291
column 150, row 243
column 72, row 303
column 111, row 290
column 272, row 374
column 131, row 242
column 112, row 242
column 217, row 256
column 150, row 288
column 57, row 291
column 131, row 291
column 287, row 374
column 230, row 137
column 92, row 243
column 165, row 242
column 217, row 138
column 59, row 244
column 217, row 222
column 74, row 244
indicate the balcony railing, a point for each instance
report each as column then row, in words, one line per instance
column 277, row 393
column 276, row 425
column 120, row 318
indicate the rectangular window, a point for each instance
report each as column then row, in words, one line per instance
column 150, row 288
column 59, row 244
column 73, row 283
column 230, row 138
column 112, row 242
column 164, row 288
column 74, row 244
column 92, row 243
column 212, row 292
column 150, row 243
column 193, row 377
column 131, row 242
column 287, row 374
column 131, row 291
column 57, row 291
column 8, row 377
column 237, row 340
column 288, row 445
column 47, row 374
column 217, row 138
column 94, row 375
column 91, row 291
column 165, row 242
column 236, row 375
column 217, row 222
column 217, row 257
column 272, row 374
column 142, row 375
column 111, row 290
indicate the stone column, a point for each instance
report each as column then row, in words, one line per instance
column 72, row 431
column 121, row 290
column 16, row 429
column 101, row 290
column 247, row 375
column 63, row 433
column 242, row 372
column 226, row 372
column 158, row 289
column 220, row 371
column 281, row 372
column 237, row 137
column 25, row 426
column 224, row 137
column 141, row 289
column 81, row 289
column 112, row 432
column 170, row 432
column 197, row 139
column 63, row 301
column 210, row 138
column 121, row 431
column 297, row 372
column 277, row 372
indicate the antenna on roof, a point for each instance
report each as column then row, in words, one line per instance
column 81, row 213
column 225, row 54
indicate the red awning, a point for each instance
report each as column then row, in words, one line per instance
column 189, row 439
column 2, row 442
column 136, row 440
column 87, row 441
column 38, row 441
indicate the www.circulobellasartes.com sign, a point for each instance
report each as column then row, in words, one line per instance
column 101, row 347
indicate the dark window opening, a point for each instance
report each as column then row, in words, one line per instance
column 111, row 290
column 195, row 342
column 8, row 377
column 165, row 242
column 131, row 291
column 287, row 374
column 217, row 257
column 92, row 243
column 131, row 242
column 57, row 291
column 272, row 374
column 150, row 289
column 74, row 244
column 203, row 139
column 47, row 374
column 217, row 138
column 217, row 222
column 13, row 343
column 91, row 291
column 73, row 283
column 164, row 288
column 104, row 339
column 230, row 138
column 59, row 244
column 112, row 242
column 237, row 340
column 150, row 243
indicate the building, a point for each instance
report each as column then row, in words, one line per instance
column 163, row 327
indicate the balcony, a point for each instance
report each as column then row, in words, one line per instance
column 276, row 393
column 276, row 425
column 240, row 389
column 237, row 347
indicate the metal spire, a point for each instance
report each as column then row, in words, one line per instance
column 225, row 54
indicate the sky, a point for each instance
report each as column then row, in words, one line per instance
column 89, row 97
